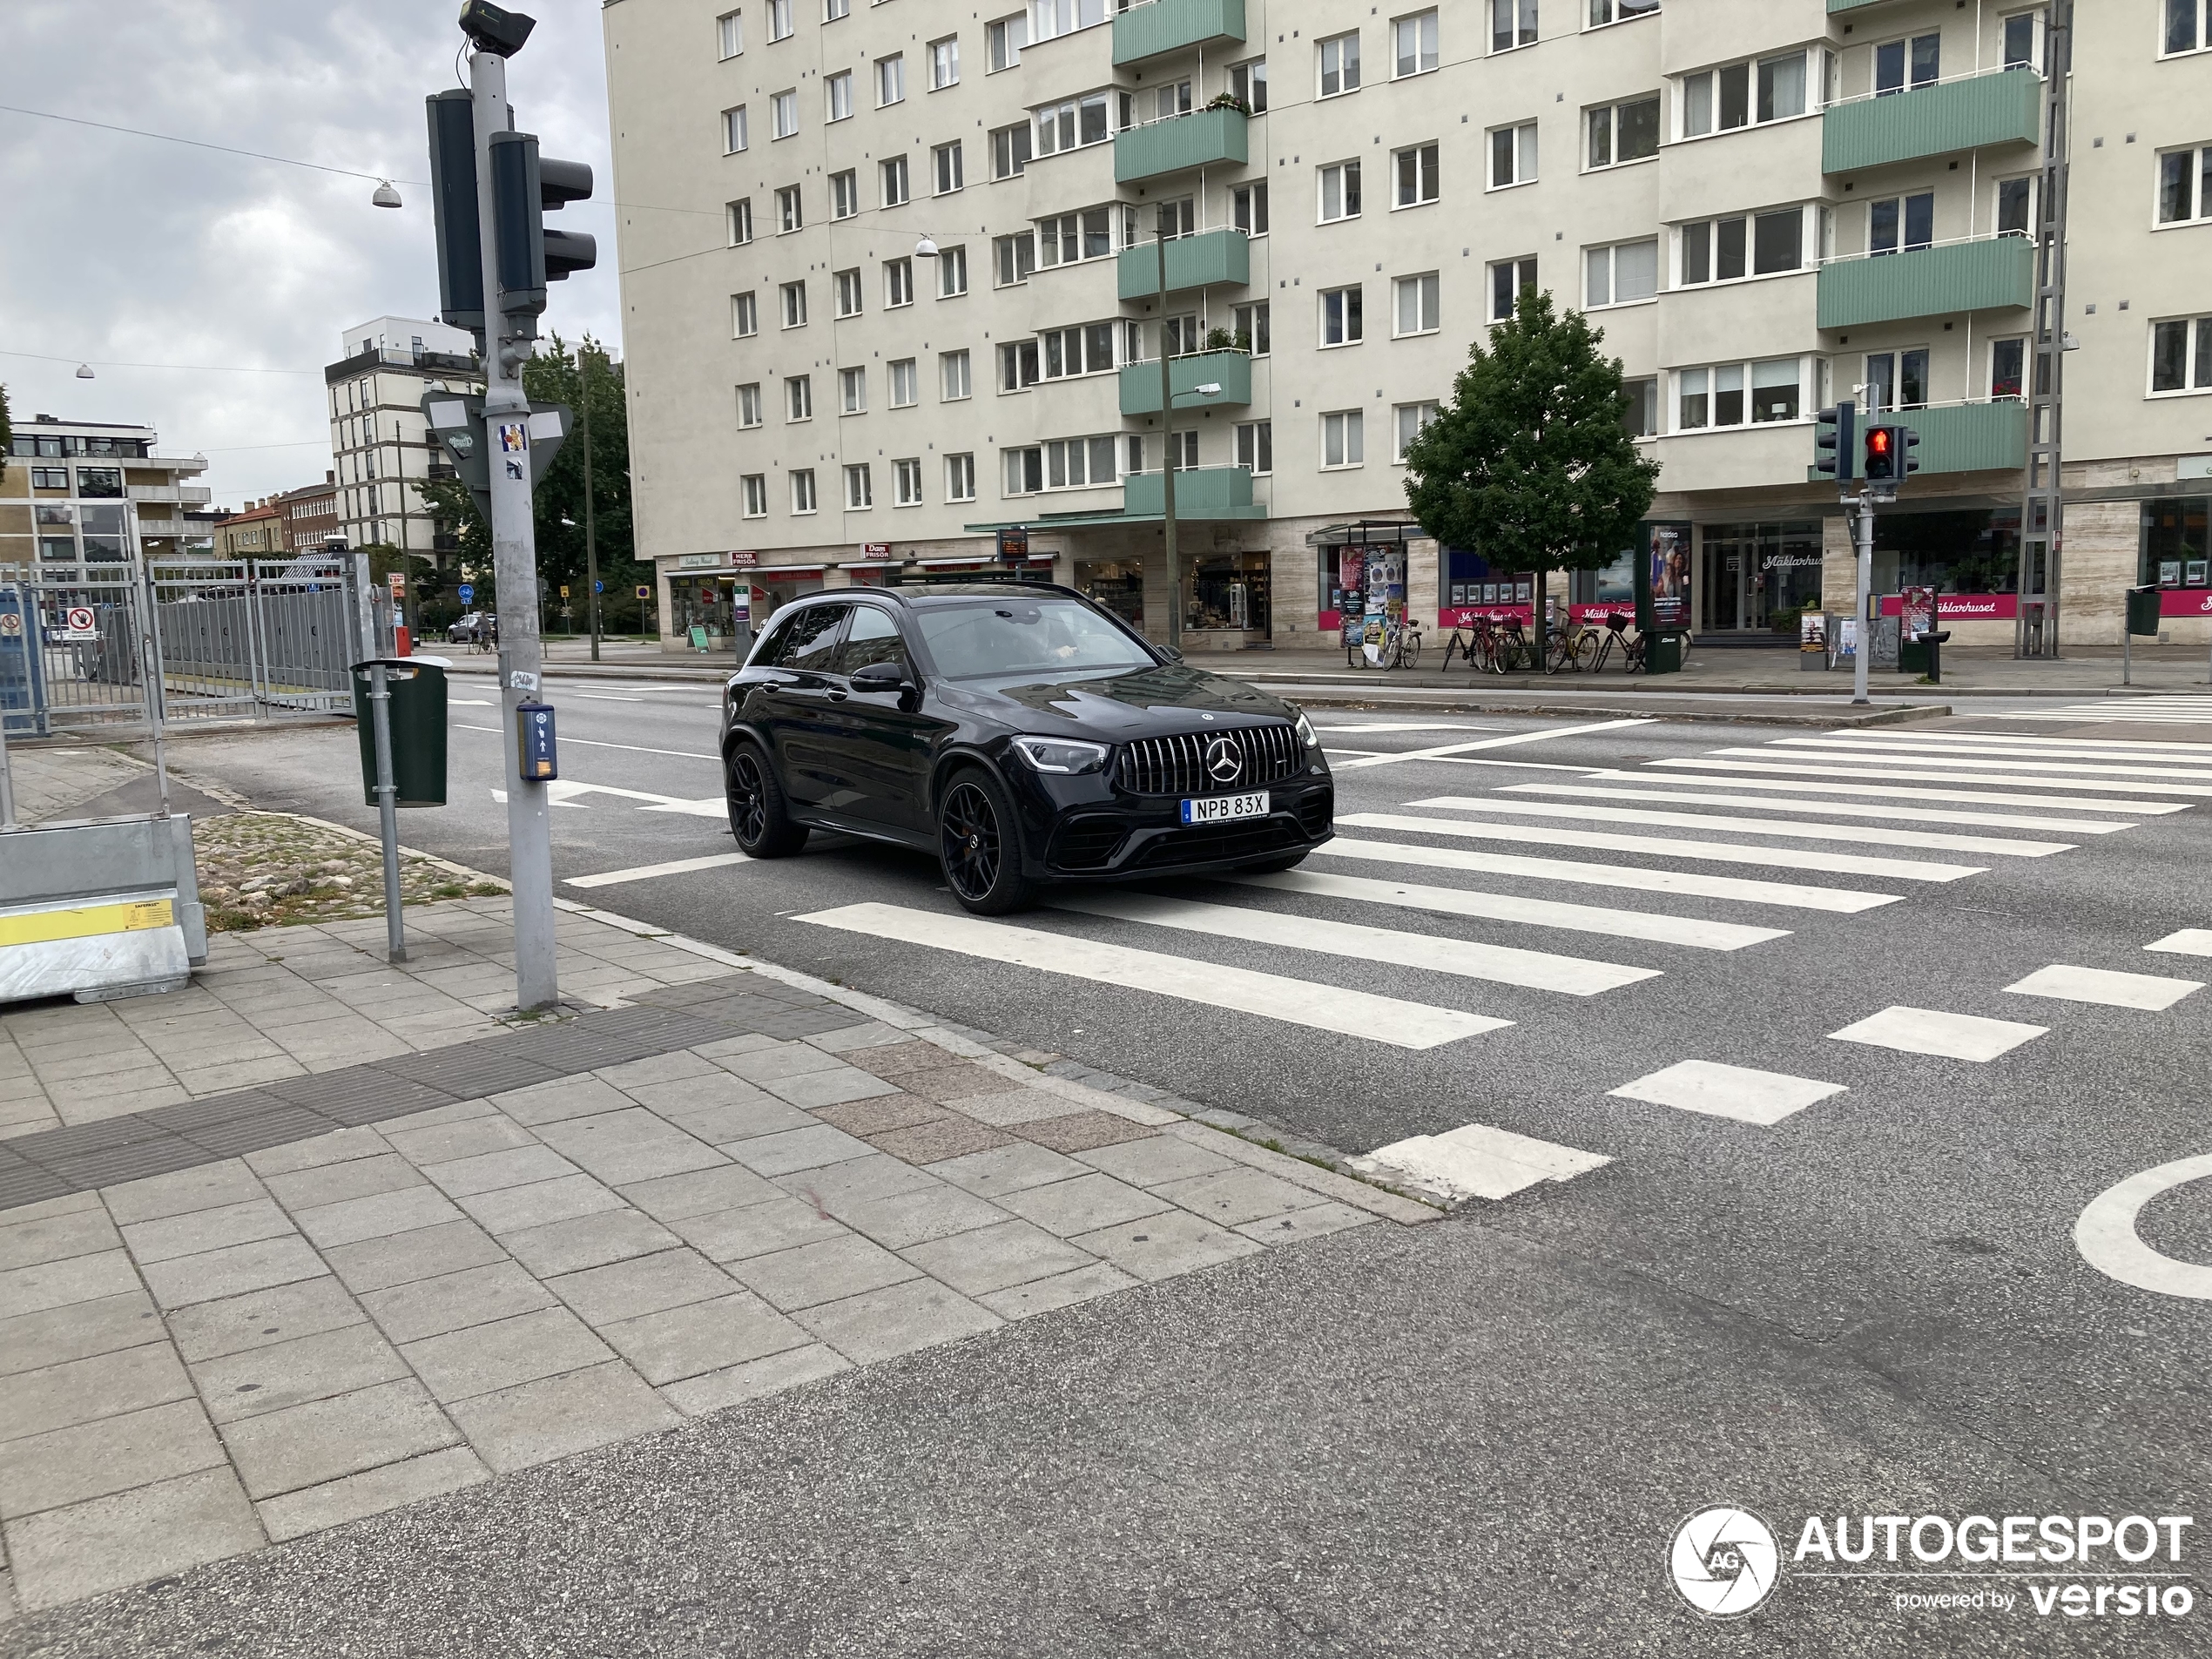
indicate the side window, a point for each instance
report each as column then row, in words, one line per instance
column 872, row 637
column 813, row 644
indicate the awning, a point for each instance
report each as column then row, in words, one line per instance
column 1366, row 532
column 1051, row 523
column 965, row 561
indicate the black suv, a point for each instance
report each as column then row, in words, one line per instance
column 1019, row 731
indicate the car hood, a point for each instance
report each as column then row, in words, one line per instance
column 1111, row 705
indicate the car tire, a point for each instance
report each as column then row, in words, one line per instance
column 760, row 816
column 1274, row 866
column 978, row 846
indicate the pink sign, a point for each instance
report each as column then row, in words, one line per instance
column 2185, row 602
column 1464, row 616
column 1626, row 611
column 1965, row 607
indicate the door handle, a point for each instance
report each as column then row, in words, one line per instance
column 836, row 696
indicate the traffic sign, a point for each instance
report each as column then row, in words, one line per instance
column 10, row 626
column 468, row 592
column 564, row 590
column 645, row 592
column 77, row 624
column 398, row 584
column 598, row 587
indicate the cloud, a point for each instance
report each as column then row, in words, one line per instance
column 130, row 250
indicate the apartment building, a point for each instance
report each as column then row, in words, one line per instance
column 310, row 515
column 893, row 280
column 255, row 531
column 76, row 494
column 378, row 440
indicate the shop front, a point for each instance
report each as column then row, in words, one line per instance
column 1119, row 585
column 1226, row 599
column 1755, row 579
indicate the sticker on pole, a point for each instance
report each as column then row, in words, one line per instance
column 513, row 437
column 77, row 624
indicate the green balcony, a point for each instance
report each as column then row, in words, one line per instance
column 1928, row 282
column 1964, row 438
column 1940, row 120
column 1200, row 493
column 1199, row 139
column 1174, row 25
column 1231, row 370
column 1198, row 261
column 1835, row 6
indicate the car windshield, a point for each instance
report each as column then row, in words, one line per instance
column 1024, row 636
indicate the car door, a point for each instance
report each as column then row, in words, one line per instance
column 885, row 738
column 799, row 711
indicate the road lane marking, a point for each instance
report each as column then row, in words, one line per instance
column 1795, row 895
column 601, row 697
column 1833, row 809
column 2107, row 1238
column 593, row 743
column 1736, row 1092
column 1933, row 1031
column 1923, row 774
column 1858, row 835
column 1469, row 959
column 2104, row 987
column 1495, row 743
column 1478, row 1162
column 2029, row 771
column 2006, row 742
column 1669, row 846
column 647, row 872
column 2190, row 941
column 1408, row 725
column 1539, row 912
column 470, row 703
column 552, row 795
column 1294, row 1002
column 1891, row 792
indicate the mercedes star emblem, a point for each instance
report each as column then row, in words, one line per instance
column 1224, row 759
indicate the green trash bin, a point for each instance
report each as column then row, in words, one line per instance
column 2142, row 610
column 1665, row 655
column 418, row 713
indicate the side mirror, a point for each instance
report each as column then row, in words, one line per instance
column 1169, row 652
column 880, row 677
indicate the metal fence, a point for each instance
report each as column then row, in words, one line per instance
column 227, row 640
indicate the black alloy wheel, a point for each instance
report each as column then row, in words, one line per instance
column 978, row 846
column 759, row 817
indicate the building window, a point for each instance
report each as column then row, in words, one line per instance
column 783, row 115
column 1777, row 242
column 1256, row 447
column 1898, row 223
column 1620, row 274
column 944, row 63
column 1341, row 64
column 1900, row 65
column 789, row 218
column 1408, row 420
column 1513, row 155
column 733, row 130
column 799, row 397
column 845, row 194
column 1180, row 336
column 1018, row 364
column 802, row 490
column 1002, row 44
column 2015, row 206
column 1720, row 100
column 1417, row 175
column 1413, row 42
column 1248, row 209
column 1252, row 328
column 1418, row 302
column 960, row 477
column 1010, row 151
column 1715, row 396
column 1248, row 84
column 739, row 221
column 837, row 102
column 952, row 272
column 833, row 10
column 1641, row 418
column 794, row 303
column 1072, row 124
column 2173, row 366
column 1014, row 257
column 1509, row 279
column 1088, row 235
column 890, row 79
column 1622, row 133
column 1086, row 349
column 1606, row 11
column 1513, row 22
column 848, row 293
column 1714, row 250
column 952, row 174
column 2188, row 25
column 2008, row 366
column 729, row 35
column 1342, row 321
column 951, row 376
column 1339, row 192
column 749, row 404
column 903, row 381
column 906, row 482
column 1897, row 381
column 859, row 490
column 2184, row 186
column 1024, row 470
column 1344, row 439
column 756, row 494
column 744, row 315
column 894, row 176
column 779, row 22
column 898, row 282
column 1051, row 19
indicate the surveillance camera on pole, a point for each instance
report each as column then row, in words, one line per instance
column 490, row 190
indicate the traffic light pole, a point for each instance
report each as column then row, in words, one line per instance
column 1863, row 632
column 514, row 551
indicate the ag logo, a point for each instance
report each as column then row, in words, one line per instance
column 1724, row 1562
column 1224, row 759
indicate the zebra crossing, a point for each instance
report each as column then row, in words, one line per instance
column 2182, row 708
column 1827, row 825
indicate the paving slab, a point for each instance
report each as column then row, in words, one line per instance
column 516, row 1166
column 128, row 1537
column 56, row 1239
column 78, row 1391
column 215, row 1274
column 795, row 1149
column 588, row 1241
column 482, row 1358
column 65, row 1465
column 734, row 1385
column 1063, row 1290
column 339, row 1146
column 1154, row 1160
column 555, row 1417
column 426, row 1252
column 371, row 1492
column 564, row 1098
column 698, row 1192
column 77, row 1330
column 819, row 1088
column 757, row 1229
column 208, row 1187
column 1011, row 1168
column 1312, row 1222
column 364, row 1176
column 633, row 1145
column 905, row 1218
column 205, row 1230
column 309, row 1445
column 1232, row 1198
column 643, row 1285
column 676, row 1343
column 430, row 1307
column 287, row 1373
column 258, row 1319
column 1083, row 1204
column 821, row 1272
column 993, row 1258
column 899, row 1319
column 1163, row 1245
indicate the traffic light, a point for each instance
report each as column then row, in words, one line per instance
column 1836, row 442
column 1908, row 441
column 527, row 256
column 453, row 203
column 1882, row 450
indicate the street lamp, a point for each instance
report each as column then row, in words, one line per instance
column 385, row 195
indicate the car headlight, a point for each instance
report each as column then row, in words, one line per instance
column 1062, row 755
column 1306, row 734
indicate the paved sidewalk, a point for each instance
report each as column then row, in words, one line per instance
column 729, row 1184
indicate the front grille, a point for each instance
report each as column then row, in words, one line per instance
column 1088, row 843
column 1177, row 765
column 1207, row 843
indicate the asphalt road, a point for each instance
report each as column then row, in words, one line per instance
column 1479, row 1436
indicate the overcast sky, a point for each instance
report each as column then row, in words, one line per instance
column 129, row 250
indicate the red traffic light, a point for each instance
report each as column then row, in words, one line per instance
column 1877, row 442
column 1881, row 453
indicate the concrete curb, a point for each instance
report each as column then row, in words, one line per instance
column 1844, row 717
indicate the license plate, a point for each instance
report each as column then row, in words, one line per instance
column 1221, row 809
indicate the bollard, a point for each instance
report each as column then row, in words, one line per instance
column 387, row 818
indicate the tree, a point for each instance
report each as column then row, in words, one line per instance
column 559, row 374
column 1530, row 463
column 7, row 431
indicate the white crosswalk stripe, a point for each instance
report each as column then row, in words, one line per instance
column 1679, row 780
column 2190, row 941
column 1860, row 834
column 1738, row 1092
column 1477, row 1162
column 2105, row 987
column 1840, row 766
column 1666, row 847
column 2092, row 770
column 1833, row 809
column 1791, row 895
column 2023, row 743
column 1933, row 1031
column 2182, row 708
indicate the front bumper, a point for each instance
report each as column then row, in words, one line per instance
column 1103, row 834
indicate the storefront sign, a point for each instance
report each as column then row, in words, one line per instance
column 1464, row 616
column 1963, row 607
column 744, row 561
column 875, row 550
column 2185, row 602
column 697, row 561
